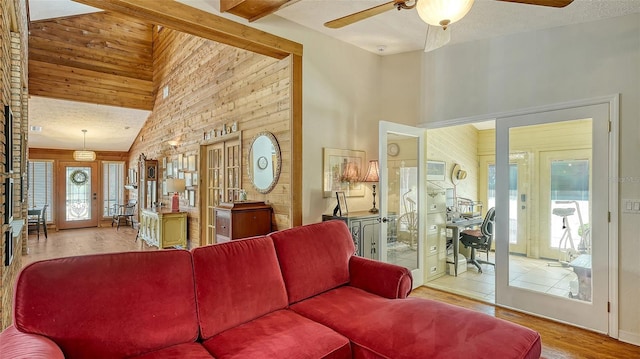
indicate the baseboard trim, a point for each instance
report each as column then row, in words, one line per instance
column 629, row 337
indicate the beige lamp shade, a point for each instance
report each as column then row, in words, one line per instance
column 175, row 185
column 373, row 172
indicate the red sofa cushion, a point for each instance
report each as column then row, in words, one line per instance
column 180, row 351
column 109, row 305
column 314, row 258
column 417, row 328
column 281, row 334
column 236, row 282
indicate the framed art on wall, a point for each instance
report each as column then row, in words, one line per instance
column 436, row 170
column 342, row 171
column 9, row 246
column 8, row 145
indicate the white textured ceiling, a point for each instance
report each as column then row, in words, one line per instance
column 108, row 128
column 397, row 31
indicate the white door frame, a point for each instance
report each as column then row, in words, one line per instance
column 613, row 102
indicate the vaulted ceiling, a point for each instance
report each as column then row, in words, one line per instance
column 99, row 69
column 97, row 65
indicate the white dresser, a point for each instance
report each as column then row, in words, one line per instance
column 163, row 228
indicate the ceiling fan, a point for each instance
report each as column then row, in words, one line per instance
column 438, row 14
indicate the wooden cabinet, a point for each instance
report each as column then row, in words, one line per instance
column 365, row 231
column 148, row 188
column 163, row 228
column 241, row 220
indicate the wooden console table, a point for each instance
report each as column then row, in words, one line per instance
column 163, row 228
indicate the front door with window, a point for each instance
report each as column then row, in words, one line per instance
column 77, row 204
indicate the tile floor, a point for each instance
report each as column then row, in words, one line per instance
column 533, row 274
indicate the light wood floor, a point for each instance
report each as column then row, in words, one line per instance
column 558, row 340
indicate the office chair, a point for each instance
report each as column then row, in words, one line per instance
column 480, row 239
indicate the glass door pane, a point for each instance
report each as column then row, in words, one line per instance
column 77, row 194
column 78, row 198
column 402, row 197
column 564, row 274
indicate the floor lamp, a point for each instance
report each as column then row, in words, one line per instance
column 373, row 175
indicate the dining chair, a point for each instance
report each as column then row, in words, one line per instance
column 37, row 217
column 124, row 213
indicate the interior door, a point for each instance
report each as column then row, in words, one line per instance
column 403, row 197
column 213, row 161
column 77, row 204
column 564, row 200
column 518, row 197
column 584, row 301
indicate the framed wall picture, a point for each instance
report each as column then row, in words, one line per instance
column 9, row 246
column 191, row 163
column 342, row 171
column 8, row 145
column 436, row 170
column 8, row 204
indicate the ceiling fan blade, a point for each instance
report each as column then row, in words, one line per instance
column 360, row 15
column 551, row 3
column 437, row 37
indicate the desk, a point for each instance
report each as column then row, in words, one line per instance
column 455, row 236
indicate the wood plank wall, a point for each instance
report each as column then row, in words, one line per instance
column 13, row 75
column 102, row 57
column 211, row 85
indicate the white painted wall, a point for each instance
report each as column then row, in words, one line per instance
column 546, row 67
column 346, row 91
column 340, row 92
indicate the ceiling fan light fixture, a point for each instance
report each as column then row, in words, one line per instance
column 443, row 12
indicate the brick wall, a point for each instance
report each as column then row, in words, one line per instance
column 13, row 67
column 211, row 85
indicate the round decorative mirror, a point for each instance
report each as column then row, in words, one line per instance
column 264, row 162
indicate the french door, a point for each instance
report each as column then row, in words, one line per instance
column 518, row 197
column 77, row 188
column 403, row 197
column 562, row 182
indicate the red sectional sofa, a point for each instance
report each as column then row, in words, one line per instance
column 298, row 293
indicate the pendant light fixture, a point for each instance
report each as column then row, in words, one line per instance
column 84, row 155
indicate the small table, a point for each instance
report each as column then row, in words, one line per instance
column 582, row 268
column 455, row 236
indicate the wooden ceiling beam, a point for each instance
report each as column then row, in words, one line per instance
column 184, row 18
column 253, row 10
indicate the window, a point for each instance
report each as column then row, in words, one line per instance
column 113, row 186
column 40, row 178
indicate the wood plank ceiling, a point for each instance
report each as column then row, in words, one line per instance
column 254, row 9
column 103, row 58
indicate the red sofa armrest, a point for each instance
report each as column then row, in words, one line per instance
column 384, row 279
column 18, row 345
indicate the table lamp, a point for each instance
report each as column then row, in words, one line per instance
column 372, row 176
column 175, row 185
